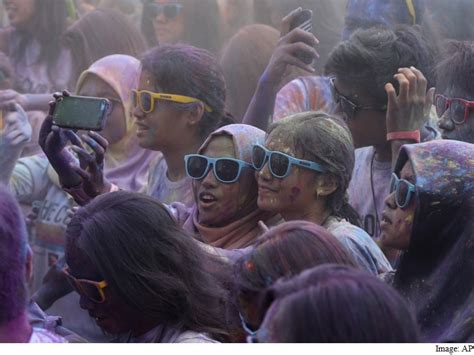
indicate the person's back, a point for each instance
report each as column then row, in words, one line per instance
column 15, row 267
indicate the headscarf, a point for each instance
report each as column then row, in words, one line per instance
column 436, row 273
column 126, row 164
column 243, row 232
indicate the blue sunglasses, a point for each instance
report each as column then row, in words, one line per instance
column 280, row 163
column 226, row 170
column 403, row 191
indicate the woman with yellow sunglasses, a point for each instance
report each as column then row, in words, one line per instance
column 140, row 277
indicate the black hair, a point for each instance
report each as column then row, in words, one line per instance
column 156, row 268
column 369, row 58
column 190, row 71
column 456, row 68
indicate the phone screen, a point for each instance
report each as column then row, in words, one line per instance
column 81, row 112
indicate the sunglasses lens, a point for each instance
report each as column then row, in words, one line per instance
column 258, row 157
column 457, row 111
column 393, row 183
column 145, row 100
column 227, row 170
column 440, row 103
column 91, row 292
column 279, row 164
column 197, row 167
column 402, row 193
column 171, row 11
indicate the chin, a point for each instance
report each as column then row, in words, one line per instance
column 267, row 204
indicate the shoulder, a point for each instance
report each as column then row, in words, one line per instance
column 193, row 337
column 40, row 335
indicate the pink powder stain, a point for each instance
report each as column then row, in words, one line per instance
column 295, row 191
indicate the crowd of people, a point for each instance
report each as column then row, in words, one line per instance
column 253, row 181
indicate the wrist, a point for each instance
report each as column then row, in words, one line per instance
column 411, row 136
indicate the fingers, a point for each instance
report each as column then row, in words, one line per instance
column 412, row 81
column 422, row 83
column 82, row 173
column 98, row 149
column 403, row 84
column 285, row 22
column 74, row 138
column 392, row 95
column 299, row 35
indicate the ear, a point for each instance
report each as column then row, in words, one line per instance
column 195, row 114
column 326, row 184
column 29, row 264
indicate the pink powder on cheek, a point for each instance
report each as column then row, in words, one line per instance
column 295, row 192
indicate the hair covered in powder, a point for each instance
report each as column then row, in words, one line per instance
column 326, row 140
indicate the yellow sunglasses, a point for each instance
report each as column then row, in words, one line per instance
column 93, row 290
column 146, row 99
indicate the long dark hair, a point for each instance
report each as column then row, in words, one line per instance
column 49, row 24
column 337, row 304
column 153, row 264
column 190, row 71
column 325, row 140
column 101, row 33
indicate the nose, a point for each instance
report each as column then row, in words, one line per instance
column 161, row 18
column 390, row 201
column 445, row 122
column 265, row 174
column 86, row 303
column 138, row 113
column 210, row 181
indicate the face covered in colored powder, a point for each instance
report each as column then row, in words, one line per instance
column 114, row 315
column 397, row 223
column 293, row 194
column 221, row 203
column 456, row 118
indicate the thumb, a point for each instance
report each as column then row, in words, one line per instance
column 429, row 101
column 21, row 112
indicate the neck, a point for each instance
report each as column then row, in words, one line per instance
column 17, row 330
column 383, row 153
column 316, row 213
column 175, row 160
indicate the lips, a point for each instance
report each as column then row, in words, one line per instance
column 206, row 199
column 385, row 219
column 263, row 189
column 141, row 128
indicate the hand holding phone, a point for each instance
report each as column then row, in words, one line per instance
column 81, row 112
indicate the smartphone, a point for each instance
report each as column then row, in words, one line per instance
column 304, row 21
column 2, row 120
column 81, row 112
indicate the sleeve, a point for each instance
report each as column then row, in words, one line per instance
column 29, row 180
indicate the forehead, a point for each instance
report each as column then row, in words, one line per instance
column 373, row 11
column 407, row 172
column 280, row 140
column 352, row 92
column 146, row 81
column 220, row 146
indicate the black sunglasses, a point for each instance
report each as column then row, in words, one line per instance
column 348, row 107
column 170, row 11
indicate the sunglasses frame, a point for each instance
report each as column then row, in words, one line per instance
column 76, row 283
column 411, row 190
column 349, row 116
column 468, row 107
column 163, row 96
column 291, row 161
column 160, row 9
column 212, row 161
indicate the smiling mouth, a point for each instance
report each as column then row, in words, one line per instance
column 385, row 219
column 206, row 199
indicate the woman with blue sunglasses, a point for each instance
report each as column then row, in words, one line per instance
column 429, row 216
column 225, row 212
column 304, row 169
